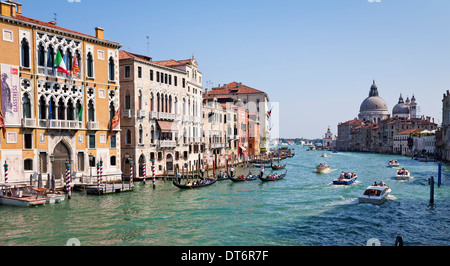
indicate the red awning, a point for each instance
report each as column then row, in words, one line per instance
column 167, row 126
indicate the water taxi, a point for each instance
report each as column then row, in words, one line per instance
column 375, row 194
column 393, row 163
column 323, row 169
column 51, row 197
column 345, row 179
column 402, row 174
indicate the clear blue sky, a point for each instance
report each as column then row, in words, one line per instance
column 317, row 58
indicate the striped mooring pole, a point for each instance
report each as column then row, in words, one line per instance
column 153, row 173
column 144, row 169
column 131, row 172
column 6, row 172
column 68, row 185
column 101, row 172
column 98, row 176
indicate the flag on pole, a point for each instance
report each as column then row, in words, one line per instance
column 60, row 65
column 269, row 114
column 75, row 67
column 80, row 114
column 115, row 121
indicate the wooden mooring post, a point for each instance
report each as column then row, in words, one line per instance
column 431, row 183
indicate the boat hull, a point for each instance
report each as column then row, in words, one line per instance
column 372, row 200
column 344, row 181
column 323, row 170
column 22, row 202
column 402, row 177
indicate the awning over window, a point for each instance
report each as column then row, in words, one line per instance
column 167, row 126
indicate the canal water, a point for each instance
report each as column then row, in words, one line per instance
column 305, row 209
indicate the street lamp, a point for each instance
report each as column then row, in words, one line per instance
column 91, row 158
column 52, row 160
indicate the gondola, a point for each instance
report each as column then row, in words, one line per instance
column 270, row 178
column 243, row 178
column 186, row 186
column 278, row 167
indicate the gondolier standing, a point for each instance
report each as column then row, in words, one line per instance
column 262, row 171
column 202, row 171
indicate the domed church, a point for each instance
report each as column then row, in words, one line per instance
column 373, row 108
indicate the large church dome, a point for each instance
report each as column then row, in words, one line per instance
column 373, row 108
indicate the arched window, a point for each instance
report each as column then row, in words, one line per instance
column 52, row 110
column 79, row 111
column 26, row 106
column 70, row 110
column 42, row 108
column 111, row 69
column 90, row 65
column 113, row 161
column 61, row 109
column 140, row 100
column 141, row 135
column 151, row 102
column 41, row 55
column 50, row 56
column 91, row 111
column 128, row 137
column 127, row 100
column 25, row 53
column 112, row 111
column 69, row 60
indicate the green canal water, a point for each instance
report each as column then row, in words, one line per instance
column 304, row 209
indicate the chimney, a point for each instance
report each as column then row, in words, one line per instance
column 99, row 33
column 7, row 8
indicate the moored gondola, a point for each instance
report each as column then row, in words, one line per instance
column 278, row 167
column 272, row 177
column 243, row 178
column 194, row 184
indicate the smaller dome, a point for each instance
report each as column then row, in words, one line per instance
column 401, row 108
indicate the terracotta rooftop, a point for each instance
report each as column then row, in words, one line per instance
column 53, row 26
column 233, row 88
column 408, row 131
column 127, row 55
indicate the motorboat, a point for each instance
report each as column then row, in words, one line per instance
column 375, row 194
column 402, row 174
column 14, row 195
column 345, row 179
column 323, row 169
column 51, row 197
column 393, row 163
column 324, row 155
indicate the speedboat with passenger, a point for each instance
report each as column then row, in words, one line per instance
column 323, row 168
column 402, row 174
column 345, row 179
column 375, row 194
column 393, row 163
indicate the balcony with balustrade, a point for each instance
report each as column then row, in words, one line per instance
column 167, row 144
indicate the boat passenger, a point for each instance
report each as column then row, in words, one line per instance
column 375, row 184
column 342, row 175
column 382, row 183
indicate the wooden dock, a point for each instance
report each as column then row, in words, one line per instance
column 109, row 189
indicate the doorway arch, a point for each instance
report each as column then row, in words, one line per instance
column 61, row 155
column 169, row 164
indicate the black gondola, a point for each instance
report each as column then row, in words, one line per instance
column 243, row 178
column 186, row 186
column 278, row 167
column 270, row 178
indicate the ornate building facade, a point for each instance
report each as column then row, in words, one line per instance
column 53, row 117
column 161, row 115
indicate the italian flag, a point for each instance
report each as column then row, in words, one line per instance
column 60, row 65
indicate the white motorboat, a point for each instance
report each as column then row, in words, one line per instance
column 393, row 163
column 323, row 169
column 375, row 194
column 402, row 174
column 51, row 197
column 324, row 155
